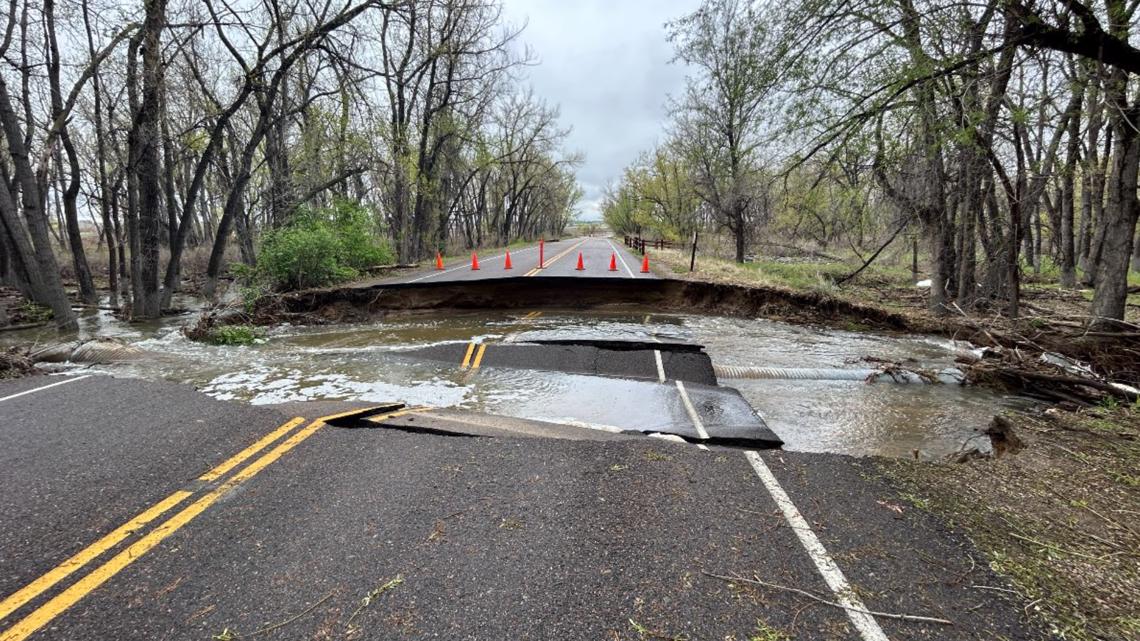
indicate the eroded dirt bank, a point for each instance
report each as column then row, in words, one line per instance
column 356, row 302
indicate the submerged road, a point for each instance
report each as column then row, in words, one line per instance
column 559, row 259
column 145, row 510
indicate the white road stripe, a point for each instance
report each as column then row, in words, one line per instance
column 692, row 412
column 660, row 366
column 70, row 380
column 620, row 259
column 868, row 628
column 467, row 265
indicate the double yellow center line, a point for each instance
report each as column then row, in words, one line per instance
column 478, row 350
column 73, row 594
column 550, row 262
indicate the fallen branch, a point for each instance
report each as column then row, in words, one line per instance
column 1072, row 380
column 884, row 615
column 875, row 255
column 227, row 635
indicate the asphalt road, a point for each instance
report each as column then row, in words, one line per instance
column 328, row 532
column 559, row 259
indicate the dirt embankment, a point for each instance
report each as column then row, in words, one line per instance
column 354, row 302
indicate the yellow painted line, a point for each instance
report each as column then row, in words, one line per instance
column 479, row 356
column 100, row 575
column 556, row 258
column 32, row 590
column 37, row 587
column 467, row 356
column 261, row 444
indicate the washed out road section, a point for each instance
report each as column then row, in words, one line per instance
column 614, row 385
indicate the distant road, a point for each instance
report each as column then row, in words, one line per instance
column 560, row 259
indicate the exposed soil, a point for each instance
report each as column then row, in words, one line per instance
column 352, row 302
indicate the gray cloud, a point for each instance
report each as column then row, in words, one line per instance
column 606, row 64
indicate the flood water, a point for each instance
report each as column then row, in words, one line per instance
column 369, row 362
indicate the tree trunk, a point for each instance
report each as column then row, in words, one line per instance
column 1067, row 242
column 70, row 193
column 1120, row 213
column 51, row 291
column 150, row 158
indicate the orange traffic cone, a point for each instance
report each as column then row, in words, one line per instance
column 507, row 265
column 645, row 264
column 613, row 262
column 474, row 262
column 438, row 261
column 580, row 266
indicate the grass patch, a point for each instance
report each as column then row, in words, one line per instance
column 234, row 335
column 30, row 312
column 786, row 273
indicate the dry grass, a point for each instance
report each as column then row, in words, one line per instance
column 1060, row 518
column 195, row 260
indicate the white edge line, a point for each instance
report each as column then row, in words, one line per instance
column 868, row 628
column 70, row 380
column 619, row 257
column 660, row 366
column 692, row 412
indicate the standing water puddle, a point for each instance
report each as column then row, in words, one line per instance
column 366, row 362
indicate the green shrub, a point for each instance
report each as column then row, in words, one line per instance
column 319, row 247
column 300, row 257
column 233, row 335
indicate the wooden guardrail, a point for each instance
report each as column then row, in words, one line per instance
column 639, row 244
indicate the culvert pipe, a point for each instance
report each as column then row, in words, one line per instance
column 948, row 376
column 92, row 351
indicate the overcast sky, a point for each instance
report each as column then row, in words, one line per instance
column 605, row 63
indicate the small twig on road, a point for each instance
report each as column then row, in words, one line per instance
column 228, row 635
column 885, row 615
column 996, row 589
column 372, row 596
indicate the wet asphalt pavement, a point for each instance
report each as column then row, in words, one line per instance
column 645, row 387
column 337, row 533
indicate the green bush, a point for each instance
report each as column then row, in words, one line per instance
column 319, row 247
column 233, row 335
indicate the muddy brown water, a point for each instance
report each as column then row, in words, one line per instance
column 366, row 362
